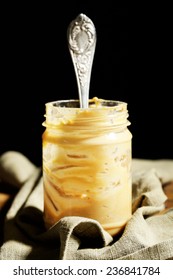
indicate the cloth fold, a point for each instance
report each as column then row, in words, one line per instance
column 147, row 235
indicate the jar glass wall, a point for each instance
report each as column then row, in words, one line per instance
column 87, row 162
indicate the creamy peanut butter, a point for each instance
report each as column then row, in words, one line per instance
column 87, row 163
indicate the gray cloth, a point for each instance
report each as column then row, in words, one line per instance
column 147, row 235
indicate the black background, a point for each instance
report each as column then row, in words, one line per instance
column 132, row 63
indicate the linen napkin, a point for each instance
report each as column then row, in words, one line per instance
column 148, row 235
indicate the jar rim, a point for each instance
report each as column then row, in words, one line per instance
column 94, row 103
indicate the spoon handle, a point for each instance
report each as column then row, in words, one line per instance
column 81, row 42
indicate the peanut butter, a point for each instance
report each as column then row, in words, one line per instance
column 87, row 163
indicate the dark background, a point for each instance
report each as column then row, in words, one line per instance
column 132, row 63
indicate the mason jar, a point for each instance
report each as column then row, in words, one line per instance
column 87, row 162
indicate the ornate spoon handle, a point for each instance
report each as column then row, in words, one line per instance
column 82, row 41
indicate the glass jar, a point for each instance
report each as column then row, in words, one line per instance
column 87, row 162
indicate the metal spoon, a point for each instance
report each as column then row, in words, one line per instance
column 81, row 41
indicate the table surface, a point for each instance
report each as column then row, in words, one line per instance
column 7, row 195
column 168, row 189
